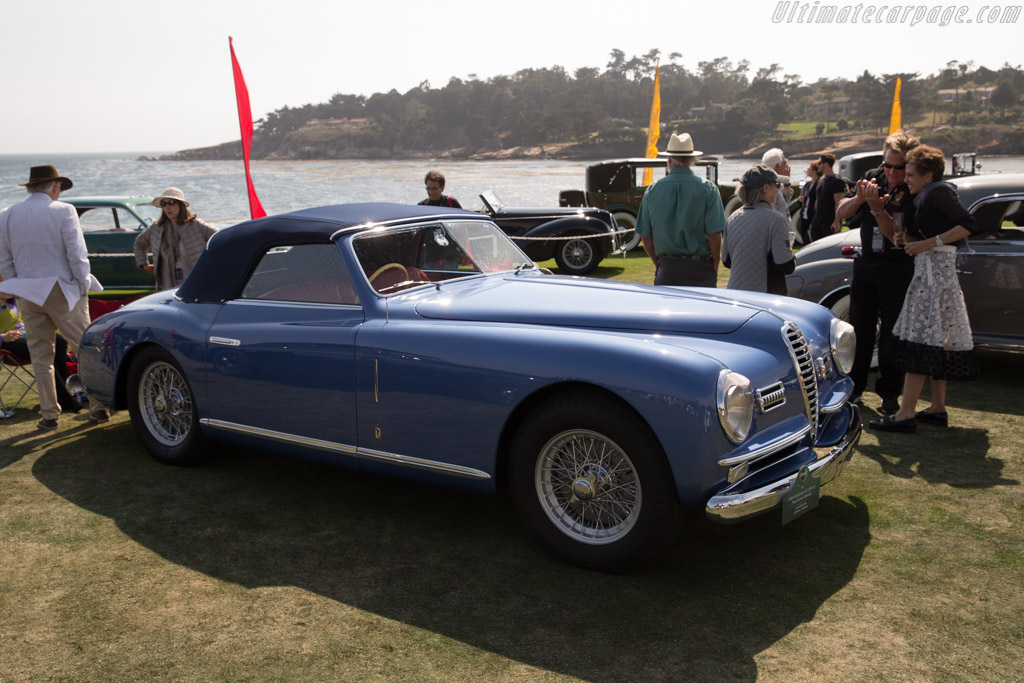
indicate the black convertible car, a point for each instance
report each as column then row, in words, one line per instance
column 577, row 238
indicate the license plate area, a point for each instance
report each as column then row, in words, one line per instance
column 802, row 497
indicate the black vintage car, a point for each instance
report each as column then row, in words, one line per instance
column 576, row 238
column 617, row 186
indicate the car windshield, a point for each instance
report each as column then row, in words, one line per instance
column 491, row 202
column 396, row 259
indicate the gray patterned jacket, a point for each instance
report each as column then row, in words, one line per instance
column 192, row 236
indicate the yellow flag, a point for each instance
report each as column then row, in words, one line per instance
column 897, row 111
column 654, row 126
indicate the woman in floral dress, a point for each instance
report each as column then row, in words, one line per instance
column 932, row 335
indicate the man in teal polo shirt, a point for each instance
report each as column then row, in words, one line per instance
column 681, row 220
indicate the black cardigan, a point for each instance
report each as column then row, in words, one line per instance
column 938, row 210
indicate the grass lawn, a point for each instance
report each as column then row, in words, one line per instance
column 256, row 567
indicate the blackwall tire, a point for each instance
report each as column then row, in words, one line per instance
column 592, row 484
column 577, row 256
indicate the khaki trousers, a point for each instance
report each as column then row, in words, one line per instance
column 41, row 325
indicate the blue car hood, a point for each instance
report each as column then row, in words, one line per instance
column 578, row 302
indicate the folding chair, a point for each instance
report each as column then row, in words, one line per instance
column 13, row 369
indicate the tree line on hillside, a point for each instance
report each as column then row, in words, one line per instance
column 723, row 103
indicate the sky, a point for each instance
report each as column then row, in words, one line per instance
column 142, row 76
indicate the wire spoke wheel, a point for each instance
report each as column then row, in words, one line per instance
column 166, row 403
column 163, row 409
column 588, row 487
column 578, row 253
column 578, row 256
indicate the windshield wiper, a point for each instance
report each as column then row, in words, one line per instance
column 525, row 264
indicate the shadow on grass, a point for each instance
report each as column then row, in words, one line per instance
column 461, row 566
column 25, row 436
column 999, row 389
column 957, row 456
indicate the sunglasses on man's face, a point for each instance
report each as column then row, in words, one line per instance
column 168, row 202
column 894, row 167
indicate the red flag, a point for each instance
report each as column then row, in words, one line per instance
column 245, row 124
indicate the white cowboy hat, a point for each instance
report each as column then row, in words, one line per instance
column 680, row 146
column 171, row 193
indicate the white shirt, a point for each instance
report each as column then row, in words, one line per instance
column 41, row 244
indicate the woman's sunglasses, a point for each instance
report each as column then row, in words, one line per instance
column 168, row 202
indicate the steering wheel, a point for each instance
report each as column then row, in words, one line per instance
column 388, row 266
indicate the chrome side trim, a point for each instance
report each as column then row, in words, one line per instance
column 290, row 304
column 781, row 443
column 344, row 449
column 421, row 464
column 281, row 437
column 225, row 341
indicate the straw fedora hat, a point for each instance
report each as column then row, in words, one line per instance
column 42, row 174
column 171, row 193
column 680, row 146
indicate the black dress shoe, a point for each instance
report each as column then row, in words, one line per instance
column 888, row 424
column 70, row 406
column 890, row 405
column 937, row 419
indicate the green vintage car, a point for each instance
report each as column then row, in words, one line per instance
column 111, row 225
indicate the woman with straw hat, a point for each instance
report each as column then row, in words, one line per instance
column 176, row 240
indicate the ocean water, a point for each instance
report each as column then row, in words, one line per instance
column 216, row 189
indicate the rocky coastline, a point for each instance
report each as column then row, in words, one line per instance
column 983, row 140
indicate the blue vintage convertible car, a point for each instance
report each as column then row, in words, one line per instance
column 421, row 342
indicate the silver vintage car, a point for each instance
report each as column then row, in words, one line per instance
column 992, row 276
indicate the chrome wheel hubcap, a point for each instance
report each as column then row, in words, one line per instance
column 588, row 487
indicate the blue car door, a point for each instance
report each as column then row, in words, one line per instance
column 280, row 356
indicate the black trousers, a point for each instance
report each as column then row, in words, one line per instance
column 685, row 272
column 819, row 231
column 877, row 295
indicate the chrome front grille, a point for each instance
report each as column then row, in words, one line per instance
column 804, row 363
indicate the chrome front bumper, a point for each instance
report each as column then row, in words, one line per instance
column 729, row 508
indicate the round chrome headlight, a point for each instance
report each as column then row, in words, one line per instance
column 735, row 404
column 843, row 341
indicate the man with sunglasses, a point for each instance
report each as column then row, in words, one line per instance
column 882, row 205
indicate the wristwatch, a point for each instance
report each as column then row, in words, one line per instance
column 938, row 241
column 875, row 213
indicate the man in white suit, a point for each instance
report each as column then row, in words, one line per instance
column 43, row 261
